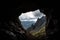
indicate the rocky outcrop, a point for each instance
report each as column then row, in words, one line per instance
column 38, row 25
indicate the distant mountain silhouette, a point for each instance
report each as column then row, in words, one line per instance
column 27, row 24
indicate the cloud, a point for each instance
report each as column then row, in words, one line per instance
column 27, row 15
column 31, row 16
column 30, row 20
column 38, row 14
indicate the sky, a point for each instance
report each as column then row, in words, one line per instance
column 30, row 17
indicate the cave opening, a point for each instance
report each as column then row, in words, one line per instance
column 34, row 22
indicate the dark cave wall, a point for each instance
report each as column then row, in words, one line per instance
column 52, row 29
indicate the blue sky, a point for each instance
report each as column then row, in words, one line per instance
column 31, row 16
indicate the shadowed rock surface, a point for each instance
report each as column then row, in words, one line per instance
column 9, row 23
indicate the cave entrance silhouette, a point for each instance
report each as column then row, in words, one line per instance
column 34, row 22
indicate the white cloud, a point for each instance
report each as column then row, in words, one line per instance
column 31, row 16
column 30, row 20
column 27, row 15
